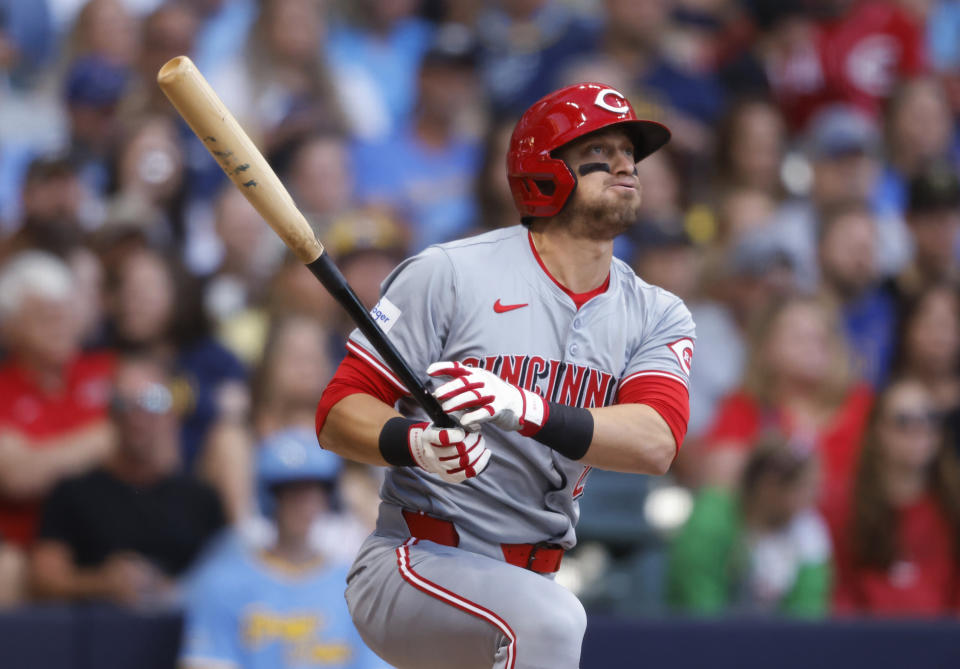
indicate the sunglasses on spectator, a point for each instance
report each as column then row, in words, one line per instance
column 155, row 399
column 915, row 419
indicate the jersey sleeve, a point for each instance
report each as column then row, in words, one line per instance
column 416, row 308
column 666, row 348
column 658, row 371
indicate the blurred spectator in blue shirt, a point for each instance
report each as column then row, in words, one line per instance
column 426, row 171
column 847, row 253
column 281, row 607
column 94, row 88
column 376, row 50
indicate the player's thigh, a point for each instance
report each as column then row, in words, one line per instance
column 428, row 606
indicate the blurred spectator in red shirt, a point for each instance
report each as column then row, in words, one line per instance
column 798, row 381
column 53, row 413
column 866, row 47
column 896, row 537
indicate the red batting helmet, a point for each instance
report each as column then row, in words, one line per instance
column 540, row 183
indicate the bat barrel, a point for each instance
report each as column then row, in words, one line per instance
column 237, row 155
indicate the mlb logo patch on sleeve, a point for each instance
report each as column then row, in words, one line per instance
column 683, row 349
column 385, row 313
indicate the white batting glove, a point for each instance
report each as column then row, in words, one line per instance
column 482, row 397
column 450, row 453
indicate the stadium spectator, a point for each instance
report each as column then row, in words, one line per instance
column 292, row 374
column 282, row 606
column 492, row 190
column 637, row 37
column 896, row 535
column 235, row 294
column 52, row 198
column 933, row 219
column 919, row 129
column 106, row 29
column 525, row 46
column 928, row 346
column 798, row 380
column 167, row 32
column 755, row 272
column 93, row 90
column 426, row 170
column 666, row 257
column 156, row 309
column 322, row 179
column 847, row 253
column 125, row 531
column 762, row 548
column 148, row 179
column 844, row 148
column 375, row 49
column 367, row 245
column 53, row 415
column 279, row 87
column 751, row 143
column 882, row 32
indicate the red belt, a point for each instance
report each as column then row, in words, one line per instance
column 542, row 558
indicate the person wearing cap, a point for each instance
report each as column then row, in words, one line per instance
column 94, row 88
column 126, row 531
column 761, row 548
column 933, row 219
column 425, row 171
column 281, row 606
column 843, row 147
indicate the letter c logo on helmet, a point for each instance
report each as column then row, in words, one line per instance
column 542, row 184
column 622, row 107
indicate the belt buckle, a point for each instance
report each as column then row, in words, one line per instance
column 533, row 552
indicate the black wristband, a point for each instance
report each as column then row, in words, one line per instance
column 568, row 430
column 393, row 443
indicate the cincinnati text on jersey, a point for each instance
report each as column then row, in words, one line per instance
column 556, row 381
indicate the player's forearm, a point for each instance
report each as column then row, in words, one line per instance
column 352, row 428
column 630, row 438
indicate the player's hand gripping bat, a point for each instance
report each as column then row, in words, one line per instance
column 234, row 151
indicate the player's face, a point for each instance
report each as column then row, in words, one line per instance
column 607, row 199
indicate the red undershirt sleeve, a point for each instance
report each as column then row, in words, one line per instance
column 667, row 397
column 354, row 375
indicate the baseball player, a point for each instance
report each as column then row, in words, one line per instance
column 555, row 357
column 281, row 607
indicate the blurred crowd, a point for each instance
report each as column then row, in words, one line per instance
column 160, row 348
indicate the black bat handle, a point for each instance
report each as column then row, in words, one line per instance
column 329, row 275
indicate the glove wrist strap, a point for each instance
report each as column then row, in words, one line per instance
column 394, row 441
column 567, row 430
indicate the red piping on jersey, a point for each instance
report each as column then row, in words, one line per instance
column 439, row 592
column 579, row 299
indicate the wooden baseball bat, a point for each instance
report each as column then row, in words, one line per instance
column 238, row 156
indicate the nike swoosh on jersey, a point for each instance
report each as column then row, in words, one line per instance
column 504, row 308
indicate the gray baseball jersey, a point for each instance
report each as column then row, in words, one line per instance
column 488, row 301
